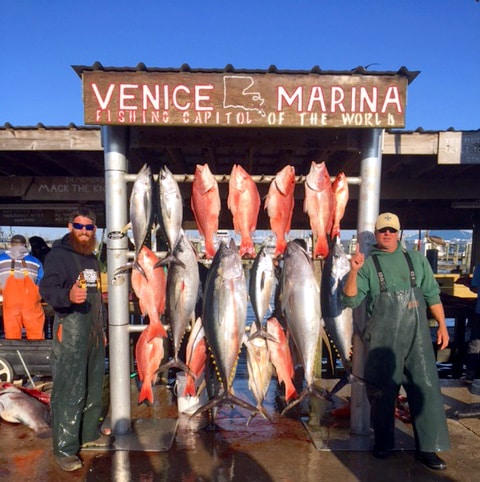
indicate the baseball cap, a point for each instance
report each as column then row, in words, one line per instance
column 387, row 220
column 18, row 239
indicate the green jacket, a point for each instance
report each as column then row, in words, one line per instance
column 397, row 278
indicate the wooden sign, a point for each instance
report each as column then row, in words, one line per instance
column 80, row 189
column 459, row 148
column 244, row 99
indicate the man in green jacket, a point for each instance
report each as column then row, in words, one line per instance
column 398, row 287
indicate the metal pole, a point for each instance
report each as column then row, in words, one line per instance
column 368, row 205
column 114, row 139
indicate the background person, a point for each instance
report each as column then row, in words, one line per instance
column 473, row 349
column 398, row 286
column 71, row 285
column 39, row 248
column 20, row 273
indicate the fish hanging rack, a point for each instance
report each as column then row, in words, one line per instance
column 259, row 179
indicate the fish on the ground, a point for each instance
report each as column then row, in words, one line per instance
column 244, row 203
column 259, row 368
column 279, row 204
column 183, row 283
column 281, row 357
column 300, row 302
column 261, row 284
column 206, row 206
column 149, row 284
column 224, row 319
column 142, row 202
column 195, row 357
column 170, row 208
column 16, row 406
column 149, row 352
column 319, row 206
column 338, row 319
column 340, row 194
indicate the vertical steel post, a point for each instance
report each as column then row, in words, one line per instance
column 368, row 205
column 114, row 140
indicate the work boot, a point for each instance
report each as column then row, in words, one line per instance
column 69, row 463
column 431, row 460
column 102, row 441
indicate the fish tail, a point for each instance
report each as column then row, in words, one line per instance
column 157, row 329
column 209, row 249
column 189, row 387
column 176, row 363
column 262, row 333
column 247, row 249
column 227, row 397
column 146, row 393
column 290, row 391
column 280, row 247
column 321, row 248
column 295, row 402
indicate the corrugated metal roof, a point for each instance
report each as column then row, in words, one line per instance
column 141, row 67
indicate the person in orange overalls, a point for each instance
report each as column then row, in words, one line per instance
column 20, row 274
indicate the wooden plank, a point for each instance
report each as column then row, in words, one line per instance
column 39, row 139
column 402, row 143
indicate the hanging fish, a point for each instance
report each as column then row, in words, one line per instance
column 300, row 303
column 279, row 204
column 261, row 284
column 142, row 207
column 149, row 352
column 281, row 357
column 340, row 193
column 206, row 206
column 149, row 284
column 170, row 210
column 337, row 318
column 244, row 203
column 195, row 357
column 183, row 283
column 319, row 205
column 224, row 318
column 259, row 369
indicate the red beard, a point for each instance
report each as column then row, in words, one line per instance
column 82, row 246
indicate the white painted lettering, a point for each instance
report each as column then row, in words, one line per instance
column 368, row 103
column 175, row 97
column 124, row 96
column 338, row 96
column 392, row 96
column 103, row 102
column 200, row 98
column 283, row 96
column 316, row 96
column 152, row 98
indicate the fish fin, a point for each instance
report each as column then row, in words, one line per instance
column 146, row 393
column 345, row 380
column 326, row 340
column 169, row 259
column 125, row 228
column 295, row 402
column 262, row 333
column 157, row 329
column 290, row 391
column 224, row 398
column 176, row 363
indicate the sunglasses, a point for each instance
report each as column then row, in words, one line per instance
column 88, row 227
column 390, row 230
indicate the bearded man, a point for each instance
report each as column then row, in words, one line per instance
column 71, row 285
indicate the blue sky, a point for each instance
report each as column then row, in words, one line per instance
column 42, row 40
